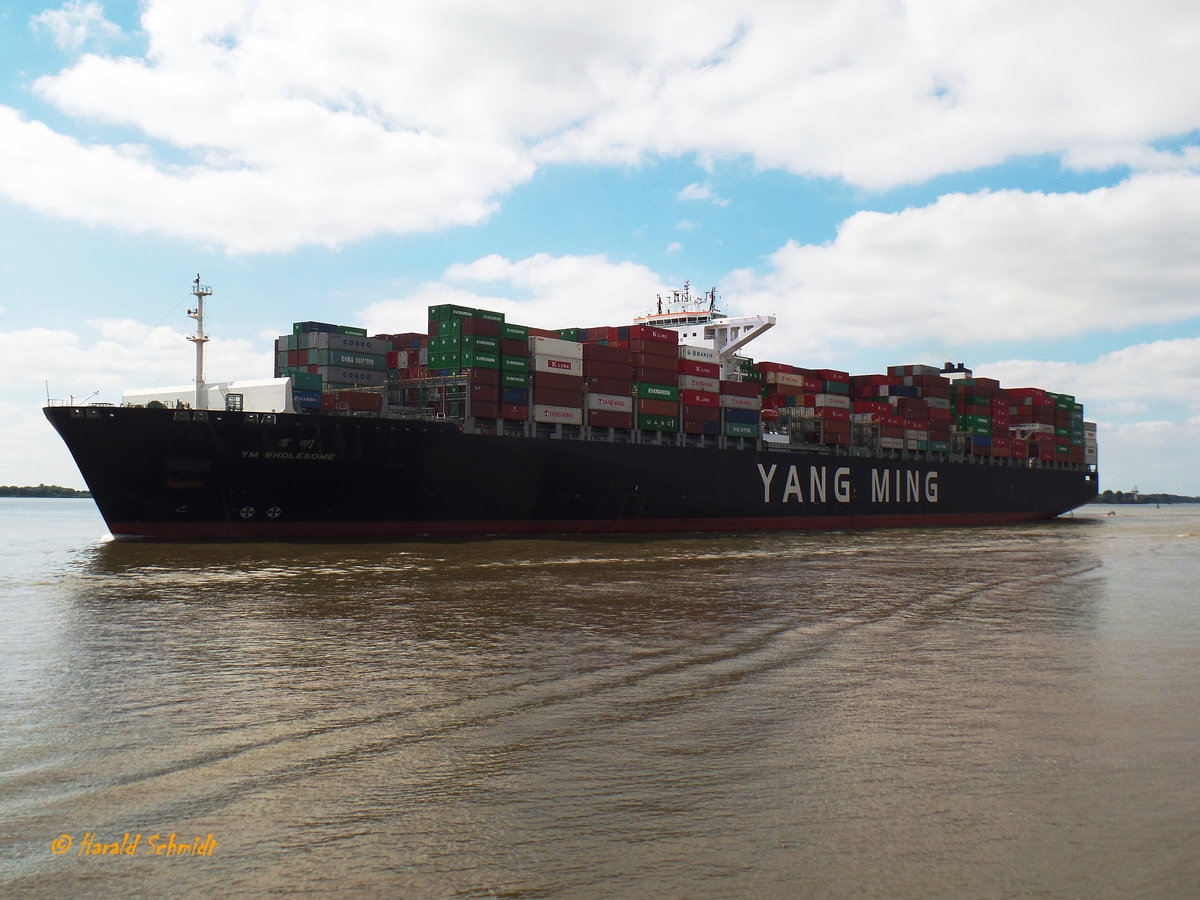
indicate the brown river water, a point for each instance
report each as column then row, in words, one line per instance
column 970, row 712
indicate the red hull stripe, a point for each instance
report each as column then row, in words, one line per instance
column 384, row 530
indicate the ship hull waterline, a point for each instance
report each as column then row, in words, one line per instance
column 185, row 475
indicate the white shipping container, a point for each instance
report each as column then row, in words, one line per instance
column 554, row 347
column 937, row 402
column 557, row 364
column 609, row 403
column 561, row 415
column 838, row 401
column 786, row 379
column 890, row 443
column 731, row 402
column 698, row 383
column 699, row 354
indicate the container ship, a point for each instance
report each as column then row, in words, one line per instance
column 485, row 427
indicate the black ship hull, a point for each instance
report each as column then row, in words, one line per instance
column 183, row 475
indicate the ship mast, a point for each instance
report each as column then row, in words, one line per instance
column 199, row 291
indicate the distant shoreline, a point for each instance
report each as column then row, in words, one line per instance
column 1140, row 499
column 52, row 491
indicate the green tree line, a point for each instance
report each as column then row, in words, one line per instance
column 1138, row 497
column 42, row 490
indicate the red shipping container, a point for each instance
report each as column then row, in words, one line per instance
column 545, row 396
column 599, row 418
column 741, row 388
column 657, row 407
column 481, row 327
column 485, row 393
column 703, row 369
column 699, row 398
column 644, row 375
column 604, row 353
column 485, row 409
column 702, row 413
column 871, row 406
column 510, row 347
column 832, row 375
column 514, row 411
column 543, row 332
column 558, row 381
column 833, row 413
column 650, row 333
column 483, row 376
column 600, row 369
column 1018, row 449
column 654, row 360
column 775, row 367
column 356, row 400
column 617, row 386
column 603, row 333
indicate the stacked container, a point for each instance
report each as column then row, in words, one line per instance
column 608, row 385
column 699, row 390
column 556, row 369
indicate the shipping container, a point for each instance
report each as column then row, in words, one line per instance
column 658, row 423
column 600, row 418
column 611, row 402
column 739, row 429
column 656, row 391
column 559, row 364
column 559, row 415
column 555, row 348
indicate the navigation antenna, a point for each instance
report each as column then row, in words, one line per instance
column 199, row 291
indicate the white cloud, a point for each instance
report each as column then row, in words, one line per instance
column 1001, row 265
column 1158, row 375
column 75, row 24
column 288, row 124
column 121, row 354
column 696, row 191
column 542, row 290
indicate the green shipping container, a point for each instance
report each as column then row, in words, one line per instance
column 514, row 332
column 444, row 344
column 740, row 429
column 480, row 359
column 568, row 334
column 306, row 381
column 514, row 379
column 447, row 311
column 446, row 328
column 514, row 364
column 490, row 315
column 835, row 387
column 939, row 446
column 480, row 343
column 658, row 423
column 350, row 329
column 655, row 392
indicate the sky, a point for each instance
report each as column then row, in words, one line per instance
column 1012, row 184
